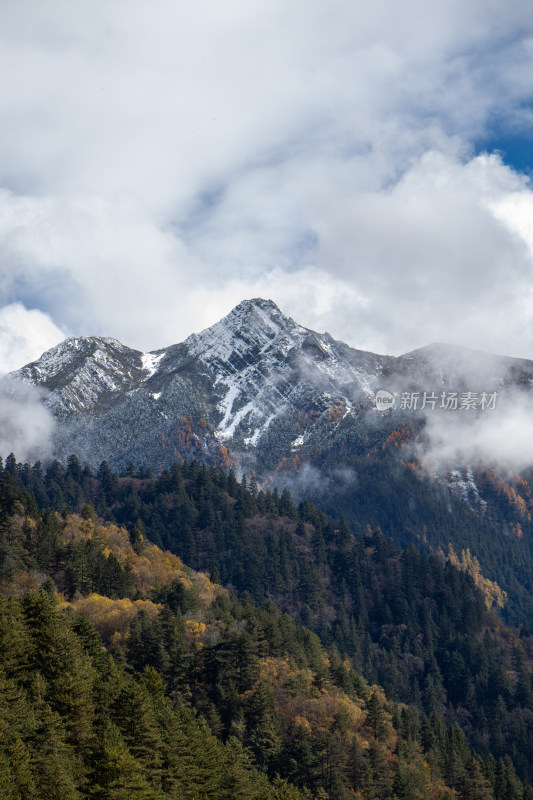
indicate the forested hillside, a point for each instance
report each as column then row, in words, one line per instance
column 486, row 513
column 171, row 687
column 424, row 629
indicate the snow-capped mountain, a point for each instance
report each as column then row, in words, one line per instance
column 224, row 387
column 85, row 374
column 255, row 387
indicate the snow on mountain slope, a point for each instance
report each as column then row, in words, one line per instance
column 83, row 373
column 263, row 365
column 255, row 379
column 256, row 382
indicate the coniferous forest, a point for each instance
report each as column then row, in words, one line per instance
column 189, row 635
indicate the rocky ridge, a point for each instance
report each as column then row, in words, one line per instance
column 256, row 388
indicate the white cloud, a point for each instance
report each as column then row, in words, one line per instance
column 26, row 425
column 24, row 334
column 105, row 267
column 501, row 439
column 516, row 210
column 162, row 162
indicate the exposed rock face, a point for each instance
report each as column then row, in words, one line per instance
column 256, row 383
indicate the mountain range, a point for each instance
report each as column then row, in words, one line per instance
column 256, row 390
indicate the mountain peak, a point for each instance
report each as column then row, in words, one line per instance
column 440, row 350
column 258, row 313
column 81, row 370
column 257, row 302
column 254, row 323
column 75, row 347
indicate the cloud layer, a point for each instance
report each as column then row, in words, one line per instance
column 502, row 439
column 26, row 425
column 161, row 163
column 24, row 335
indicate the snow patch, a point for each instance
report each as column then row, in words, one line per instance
column 298, row 442
column 463, row 483
column 227, row 404
column 256, row 435
column 228, row 431
column 150, row 363
column 240, row 415
column 349, row 409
